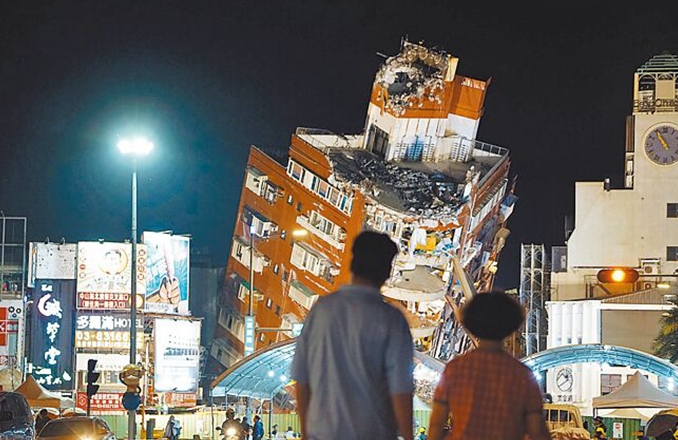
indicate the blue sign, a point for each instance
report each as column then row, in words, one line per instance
column 249, row 335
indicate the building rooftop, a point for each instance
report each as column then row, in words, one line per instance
column 665, row 62
column 433, row 189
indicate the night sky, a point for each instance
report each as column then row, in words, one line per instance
column 207, row 79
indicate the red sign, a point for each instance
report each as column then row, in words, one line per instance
column 7, row 326
column 183, row 400
column 103, row 301
column 101, row 402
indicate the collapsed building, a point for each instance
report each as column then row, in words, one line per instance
column 417, row 173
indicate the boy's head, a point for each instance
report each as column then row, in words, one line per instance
column 373, row 254
column 493, row 316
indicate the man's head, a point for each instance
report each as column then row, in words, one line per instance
column 257, row 418
column 598, row 420
column 230, row 413
column 43, row 412
column 493, row 316
column 372, row 257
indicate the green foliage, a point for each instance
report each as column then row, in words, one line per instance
column 666, row 343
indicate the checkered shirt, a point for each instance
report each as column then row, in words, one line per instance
column 489, row 394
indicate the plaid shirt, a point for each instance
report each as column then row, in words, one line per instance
column 488, row 393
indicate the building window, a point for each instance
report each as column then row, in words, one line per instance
column 262, row 337
column 283, row 234
column 290, row 200
column 299, row 206
column 277, row 310
column 609, row 383
column 286, row 275
column 276, row 269
column 672, row 253
column 672, row 210
column 269, row 303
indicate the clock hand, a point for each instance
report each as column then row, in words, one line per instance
column 661, row 140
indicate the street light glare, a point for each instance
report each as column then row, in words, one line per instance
column 138, row 146
column 300, row 233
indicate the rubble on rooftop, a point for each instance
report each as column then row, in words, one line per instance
column 412, row 77
column 401, row 188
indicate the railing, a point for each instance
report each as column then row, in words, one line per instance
column 304, row 221
column 309, row 135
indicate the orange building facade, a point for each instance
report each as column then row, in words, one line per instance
column 417, row 173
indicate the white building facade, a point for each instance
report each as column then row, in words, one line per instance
column 631, row 227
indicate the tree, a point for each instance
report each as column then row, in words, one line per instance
column 667, row 340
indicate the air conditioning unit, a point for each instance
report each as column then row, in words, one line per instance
column 650, row 266
column 341, row 235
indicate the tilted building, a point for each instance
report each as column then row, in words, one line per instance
column 417, row 173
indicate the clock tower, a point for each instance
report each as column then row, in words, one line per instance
column 652, row 129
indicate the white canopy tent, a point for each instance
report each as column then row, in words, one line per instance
column 637, row 392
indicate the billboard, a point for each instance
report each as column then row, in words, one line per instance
column 104, row 275
column 167, row 273
column 52, row 334
column 11, row 326
column 105, row 331
column 51, row 261
column 105, row 361
column 101, row 402
column 177, row 355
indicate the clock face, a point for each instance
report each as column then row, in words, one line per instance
column 564, row 379
column 661, row 145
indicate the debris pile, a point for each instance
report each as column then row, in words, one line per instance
column 412, row 77
column 402, row 188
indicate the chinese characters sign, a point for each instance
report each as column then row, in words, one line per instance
column 177, row 355
column 51, row 261
column 168, row 273
column 103, row 301
column 104, row 275
column 106, row 331
column 101, row 402
column 52, row 330
column 181, row 400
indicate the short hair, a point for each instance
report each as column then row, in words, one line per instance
column 373, row 254
column 493, row 315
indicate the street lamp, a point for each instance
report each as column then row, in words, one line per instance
column 136, row 148
column 250, row 323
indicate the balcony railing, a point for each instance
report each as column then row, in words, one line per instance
column 332, row 240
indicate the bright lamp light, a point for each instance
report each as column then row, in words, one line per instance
column 137, row 146
column 618, row 275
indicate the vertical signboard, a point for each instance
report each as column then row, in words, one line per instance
column 177, row 355
column 167, row 273
column 11, row 326
column 249, row 335
column 52, row 333
column 104, row 275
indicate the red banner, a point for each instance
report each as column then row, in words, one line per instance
column 102, row 402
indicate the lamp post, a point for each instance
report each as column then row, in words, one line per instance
column 250, row 323
column 136, row 148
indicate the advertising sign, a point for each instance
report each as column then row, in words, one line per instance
column 168, row 271
column 249, row 335
column 105, row 362
column 11, row 326
column 104, row 275
column 101, row 402
column 107, row 331
column 177, row 355
column 52, row 334
column 181, row 400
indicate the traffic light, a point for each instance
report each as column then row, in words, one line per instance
column 92, row 377
column 618, row 275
